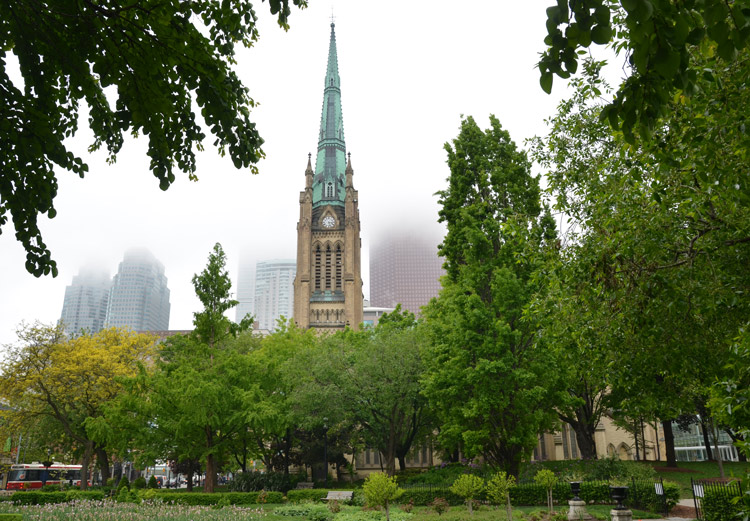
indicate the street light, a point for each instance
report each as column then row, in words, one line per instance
column 325, row 451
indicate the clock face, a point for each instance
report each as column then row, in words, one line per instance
column 328, row 221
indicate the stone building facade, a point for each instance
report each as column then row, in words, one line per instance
column 328, row 284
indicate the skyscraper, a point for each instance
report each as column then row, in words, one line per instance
column 245, row 289
column 328, row 286
column 85, row 304
column 404, row 269
column 274, row 291
column 139, row 299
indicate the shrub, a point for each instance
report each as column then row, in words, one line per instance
column 209, row 499
column 718, row 506
column 85, row 495
column 468, row 487
column 124, row 482
column 334, row 506
column 381, row 490
column 139, row 483
column 408, row 507
column 439, row 505
column 152, row 483
column 255, row 481
column 423, row 497
column 11, row 517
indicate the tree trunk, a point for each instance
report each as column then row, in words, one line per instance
column 103, row 462
column 508, row 508
column 669, row 443
column 209, row 483
column 706, row 441
column 85, row 464
column 719, row 459
column 401, row 462
column 190, row 480
column 585, row 439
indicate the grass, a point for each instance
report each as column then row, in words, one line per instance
column 698, row 470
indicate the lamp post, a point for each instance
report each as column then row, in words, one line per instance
column 47, row 464
column 325, row 451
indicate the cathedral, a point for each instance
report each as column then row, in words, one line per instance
column 328, row 285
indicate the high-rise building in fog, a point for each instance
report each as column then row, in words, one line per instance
column 245, row 289
column 139, row 299
column 274, row 291
column 404, row 269
column 85, row 304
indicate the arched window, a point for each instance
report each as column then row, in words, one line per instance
column 339, row 267
column 317, row 262
column 329, row 190
column 328, row 267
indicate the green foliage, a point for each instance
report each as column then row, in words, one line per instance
column 123, row 483
column 443, row 474
column 202, row 498
column 681, row 31
column 125, row 496
column 152, row 483
column 545, row 478
column 498, row 488
column 380, row 490
column 371, row 515
column 488, row 376
column 254, row 481
column 140, row 483
column 304, row 495
column 468, row 486
column 11, row 517
column 301, row 510
column 161, row 62
column 719, row 506
column 383, row 367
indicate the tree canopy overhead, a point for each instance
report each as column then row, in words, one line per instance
column 153, row 58
column 661, row 39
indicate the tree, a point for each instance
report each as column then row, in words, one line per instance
column 138, row 67
column 70, row 382
column 657, row 233
column 498, row 491
column 469, row 487
column 548, row 480
column 664, row 41
column 380, row 490
column 487, row 371
column 370, row 383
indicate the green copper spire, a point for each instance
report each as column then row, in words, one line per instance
column 330, row 164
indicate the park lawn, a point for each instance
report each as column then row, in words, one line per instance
column 698, row 470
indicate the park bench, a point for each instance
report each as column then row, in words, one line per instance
column 339, row 495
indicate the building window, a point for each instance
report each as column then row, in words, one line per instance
column 317, row 267
column 328, row 267
column 329, row 190
column 339, row 265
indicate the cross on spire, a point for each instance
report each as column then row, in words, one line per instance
column 333, row 18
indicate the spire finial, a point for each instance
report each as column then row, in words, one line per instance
column 333, row 18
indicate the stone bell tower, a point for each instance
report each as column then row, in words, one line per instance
column 328, row 285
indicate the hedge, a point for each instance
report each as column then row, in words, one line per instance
column 11, row 517
column 204, row 498
column 423, row 496
column 306, row 494
column 718, row 506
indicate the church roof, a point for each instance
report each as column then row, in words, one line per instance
column 330, row 164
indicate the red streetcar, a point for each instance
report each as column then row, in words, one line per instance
column 30, row 475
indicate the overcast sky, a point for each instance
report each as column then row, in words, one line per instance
column 409, row 70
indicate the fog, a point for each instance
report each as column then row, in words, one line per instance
column 409, row 70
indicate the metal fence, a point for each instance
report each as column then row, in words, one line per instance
column 726, row 489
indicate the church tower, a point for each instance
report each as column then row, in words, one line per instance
column 328, row 285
